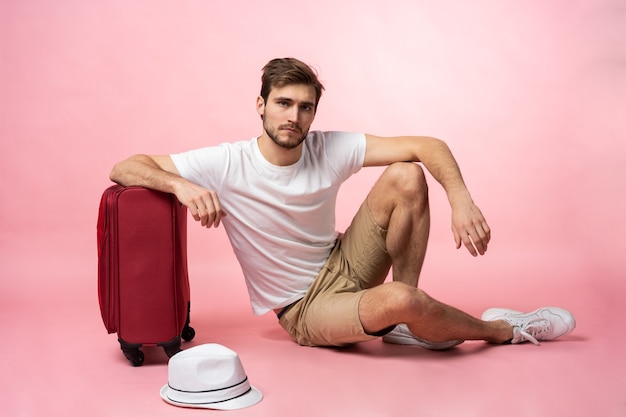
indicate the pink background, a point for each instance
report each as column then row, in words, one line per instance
column 529, row 95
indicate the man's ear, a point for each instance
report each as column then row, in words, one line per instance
column 260, row 106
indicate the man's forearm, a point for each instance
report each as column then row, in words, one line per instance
column 433, row 153
column 439, row 161
column 143, row 171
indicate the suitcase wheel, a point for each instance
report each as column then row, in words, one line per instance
column 172, row 348
column 131, row 352
column 188, row 333
column 134, row 356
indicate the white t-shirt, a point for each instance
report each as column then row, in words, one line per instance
column 281, row 219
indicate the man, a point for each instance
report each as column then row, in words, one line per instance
column 275, row 195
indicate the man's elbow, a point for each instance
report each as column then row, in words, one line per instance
column 115, row 175
column 120, row 169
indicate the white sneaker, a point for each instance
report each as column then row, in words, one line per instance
column 401, row 335
column 546, row 323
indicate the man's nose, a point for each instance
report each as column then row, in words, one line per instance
column 294, row 114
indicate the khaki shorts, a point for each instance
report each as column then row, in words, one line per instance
column 328, row 314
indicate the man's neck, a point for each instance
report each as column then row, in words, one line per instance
column 277, row 155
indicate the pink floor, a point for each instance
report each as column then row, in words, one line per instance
column 57, row 359
column 529, row 95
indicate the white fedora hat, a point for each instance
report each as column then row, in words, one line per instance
column 208, row 376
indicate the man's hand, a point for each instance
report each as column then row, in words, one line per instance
column 470, row 228
column 158, row 172
column 204, row 205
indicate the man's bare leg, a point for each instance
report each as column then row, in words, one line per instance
column 399, row 203
column 427, row 318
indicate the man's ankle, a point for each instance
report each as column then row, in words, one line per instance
column 503, row 332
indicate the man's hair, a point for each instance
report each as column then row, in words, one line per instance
column 280, row 72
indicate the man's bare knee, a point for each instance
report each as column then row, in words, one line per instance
column 407, row 178
column 392, row 303
column 403, row 184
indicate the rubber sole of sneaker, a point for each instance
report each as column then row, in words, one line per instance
column 409, row 341
column 402, row 336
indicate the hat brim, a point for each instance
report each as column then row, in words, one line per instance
column 248, row 399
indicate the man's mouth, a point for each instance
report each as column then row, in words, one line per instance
column 294, row 129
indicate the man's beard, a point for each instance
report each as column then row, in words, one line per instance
column 286, row 143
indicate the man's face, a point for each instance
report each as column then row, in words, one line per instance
column 288, row 114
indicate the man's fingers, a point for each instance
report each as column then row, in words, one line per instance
column 203, row 205
column 193, row 209
column 219, row 213
column 457, row 238
column 478, row 242
column 475, row 240
column 478, row 239
column 471, row 229
column 208, row 212
column 467, row 241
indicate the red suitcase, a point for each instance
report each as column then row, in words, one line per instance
column 143, row 285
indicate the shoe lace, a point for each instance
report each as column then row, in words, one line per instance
column 534, row 330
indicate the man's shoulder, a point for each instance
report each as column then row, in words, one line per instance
column 336, row 139
column 239, row 144
column 333, row 133
column 327, row 135
column 226, row 148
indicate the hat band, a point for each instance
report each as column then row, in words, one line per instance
column 209, row 396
